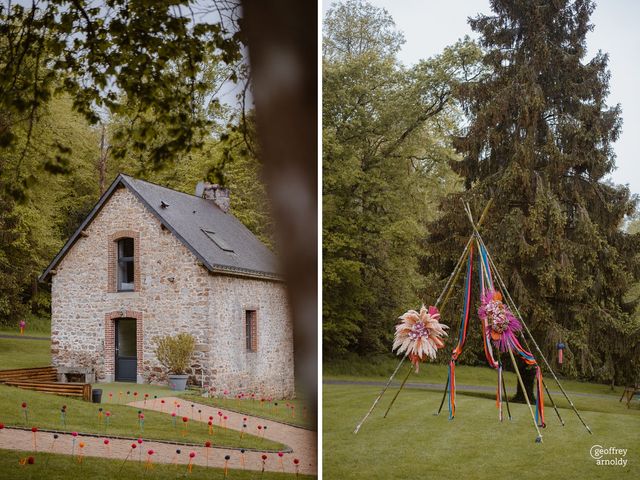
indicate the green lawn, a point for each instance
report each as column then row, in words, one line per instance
column 24, row 353
column 276, row 410
column 412, row 443
column 115, row 388
column 44, row 412
column 381, row 366
column 63, row 467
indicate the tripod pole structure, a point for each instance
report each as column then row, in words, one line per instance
column 526, row 328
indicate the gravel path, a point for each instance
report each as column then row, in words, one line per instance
column 302, row 442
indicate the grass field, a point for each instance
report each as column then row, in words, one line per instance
column 379, row 367
column 276, row 410
column 63, row 467
column 44, row 412
column 412, row 442
column 24, row 353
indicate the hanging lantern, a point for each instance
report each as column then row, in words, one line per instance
column 561, row 347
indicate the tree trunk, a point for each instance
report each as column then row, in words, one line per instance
column 528, row 373
column 282, row 39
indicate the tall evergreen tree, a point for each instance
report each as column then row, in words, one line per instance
column 539, row 142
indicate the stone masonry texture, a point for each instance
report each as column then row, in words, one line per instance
column 173, row 293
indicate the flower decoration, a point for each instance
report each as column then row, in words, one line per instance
column 419, row 335
column 501, row 324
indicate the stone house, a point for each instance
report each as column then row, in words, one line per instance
column 150, row 261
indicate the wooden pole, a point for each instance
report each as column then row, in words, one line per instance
column 526, row 396
column 398, row 392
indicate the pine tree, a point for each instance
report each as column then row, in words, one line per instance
column 539, row 142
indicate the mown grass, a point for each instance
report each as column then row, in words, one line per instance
column 277, row 410
column 412, row 443
column 125, row 392
column 24, row 353
column 44, row 411
column 380, row 367
column 64, row 467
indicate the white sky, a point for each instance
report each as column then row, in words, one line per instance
column 431, row 25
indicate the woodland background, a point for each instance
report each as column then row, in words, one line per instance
column 91, row 91
column 520, row 117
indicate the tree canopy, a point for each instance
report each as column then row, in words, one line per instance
column 385, row 153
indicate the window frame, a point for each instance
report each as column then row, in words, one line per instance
column 251, row 330
column 121, row 262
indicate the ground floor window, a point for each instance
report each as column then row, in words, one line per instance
column 251, row 330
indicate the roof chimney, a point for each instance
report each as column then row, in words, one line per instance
column 214, row 192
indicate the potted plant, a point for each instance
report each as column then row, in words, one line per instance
column 174, row 353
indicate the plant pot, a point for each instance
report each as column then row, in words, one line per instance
column 178, row 382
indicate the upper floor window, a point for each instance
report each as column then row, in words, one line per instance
column 125, row 265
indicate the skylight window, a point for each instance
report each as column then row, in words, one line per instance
column 217, row 240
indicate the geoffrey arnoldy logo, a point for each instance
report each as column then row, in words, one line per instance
column 610, row 456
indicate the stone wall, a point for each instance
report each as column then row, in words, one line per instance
column 270, row 368
column 174, row 294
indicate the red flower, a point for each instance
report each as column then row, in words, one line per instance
column 34, row 429
column 280, row 454
column 210, row 423
column 192, row 454
column 139, row 440
column 74, row 434
column 106, row 441
column 150, row 452
column 210, row 418
column 185, row 419
column 207, row 444
column 161, row 401
column 296, row 461
column 264, row 457
column 24, row 404
column 133, row 446
column 31, row 460
column 108, row 414
column 1, row 426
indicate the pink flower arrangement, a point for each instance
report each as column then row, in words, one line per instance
column 501, row 324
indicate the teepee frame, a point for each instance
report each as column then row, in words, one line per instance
column 441, row 302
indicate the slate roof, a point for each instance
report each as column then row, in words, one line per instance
column 189, row 218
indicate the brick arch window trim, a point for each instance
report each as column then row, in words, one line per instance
column 110, row 340
column 112, row 268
